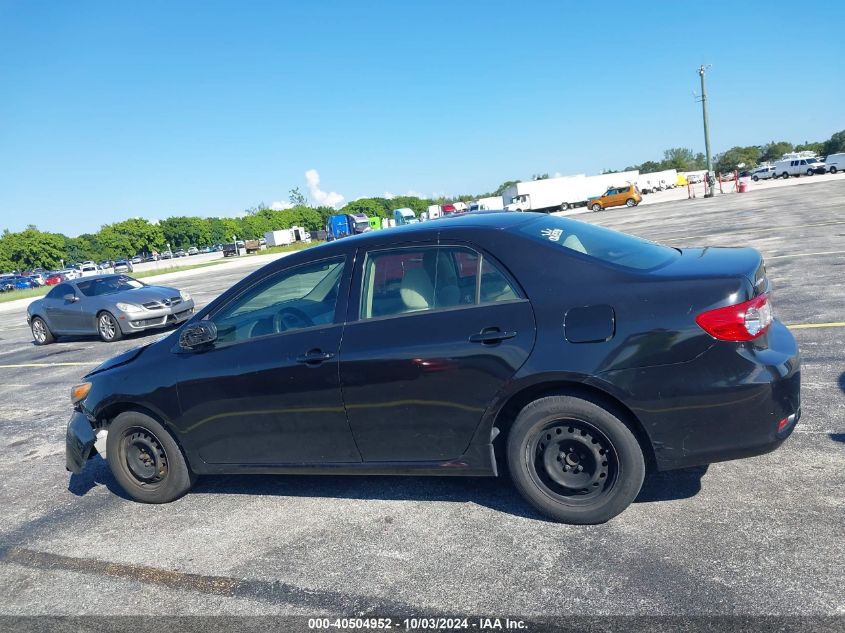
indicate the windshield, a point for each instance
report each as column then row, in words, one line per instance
column 361, row 224
column 600, row 243
column 108, row 285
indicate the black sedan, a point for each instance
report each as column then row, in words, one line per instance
column 574, row 356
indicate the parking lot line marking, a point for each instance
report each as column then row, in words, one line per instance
column 37, row 365
column 807, row 326
column 771, row 257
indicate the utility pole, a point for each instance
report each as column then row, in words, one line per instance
column 710, row 180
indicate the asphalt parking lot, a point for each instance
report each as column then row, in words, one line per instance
column 758, row 536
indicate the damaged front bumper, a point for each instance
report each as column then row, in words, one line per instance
column 79, row 442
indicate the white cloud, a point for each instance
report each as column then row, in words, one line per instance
column 415, row 194
column 281, row 205
column 318, row 196
column 388, row 196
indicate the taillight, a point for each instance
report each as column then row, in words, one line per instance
column 741, row 322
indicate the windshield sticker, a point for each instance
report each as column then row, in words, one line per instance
column 552, row 234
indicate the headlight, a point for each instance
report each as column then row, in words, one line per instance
column 78, row 392
column 186, row 296
column 129, row 307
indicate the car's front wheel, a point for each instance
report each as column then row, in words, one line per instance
column 810, row 172
column 108, row 328
column 596, row 207
column 755, row 178
column 41, row 334
column 574, row 460
column 146, row 460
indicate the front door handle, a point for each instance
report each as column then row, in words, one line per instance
column 314, row 357
column 491, row 336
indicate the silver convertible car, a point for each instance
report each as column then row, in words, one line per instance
column 108, row 305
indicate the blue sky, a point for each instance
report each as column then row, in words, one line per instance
column 115, row 109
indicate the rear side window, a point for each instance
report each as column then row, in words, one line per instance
column 406, row 280
column 599, row 243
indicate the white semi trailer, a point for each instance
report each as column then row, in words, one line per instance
column 657, row 180
column 279, row 238
column 549, row 194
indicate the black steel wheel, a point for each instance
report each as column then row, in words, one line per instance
column 146, row 460
column 574, row 459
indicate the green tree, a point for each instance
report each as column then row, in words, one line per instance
column 835, row 144
column 503, row 187
column 30, row 249
column 221, row 230
column 368, row 206
column 807, row 146
column 747, row 156
column 184, row 231
column 680, row 158
column 775, row 150
column 297, row 198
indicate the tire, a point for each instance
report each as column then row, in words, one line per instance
column 108, row 328
column 146, row 460
column 810, row 172
column 41, row 334
column 630, row 202
column 785, row 175
column 832, row 170
column 564, row 206
column 755, row 178
column 552, row 438
column 596, row 207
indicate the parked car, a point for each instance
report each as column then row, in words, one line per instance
column 17, row 282
column 7, row 283
column 763, row 173
column 70, row 273
column 54, row 278
column 798, row 167
column 582, row 353
column 123, row 266
column 835, row 163
column 38, row 278
column 106, row 264
column 628, row 196
column 88, row 269
column 108, row 305
column 180, row 253
column 193, row 250
column 167, row 255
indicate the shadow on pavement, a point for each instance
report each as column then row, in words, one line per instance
column 495, row 493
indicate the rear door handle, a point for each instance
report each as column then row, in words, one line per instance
column 314, row 357
column 491, row 336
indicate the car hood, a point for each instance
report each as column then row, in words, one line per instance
column 121, row 359
column 145, row 294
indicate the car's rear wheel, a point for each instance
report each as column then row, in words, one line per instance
column 573, row 460
column 755, row 178
column 108, row 328
column 146, row 460
column 596, row 207
column 630, row 202
column 41, row 334
column 833, row 170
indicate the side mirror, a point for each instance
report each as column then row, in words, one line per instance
column 71, row 298
column 197, row 335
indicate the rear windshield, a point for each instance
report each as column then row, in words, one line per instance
column 600, row 243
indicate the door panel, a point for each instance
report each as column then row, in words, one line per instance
column 416, row 386
column 259, row 402
column 64, row 316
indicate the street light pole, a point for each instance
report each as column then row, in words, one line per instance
column 710, row 180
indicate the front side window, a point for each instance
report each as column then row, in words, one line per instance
column 302, row 297
column 60, row 291
column 409, row 280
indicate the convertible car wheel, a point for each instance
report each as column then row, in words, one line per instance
column 574, row 461
column 40, row 332
column 108, row 328
column 145, row 459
